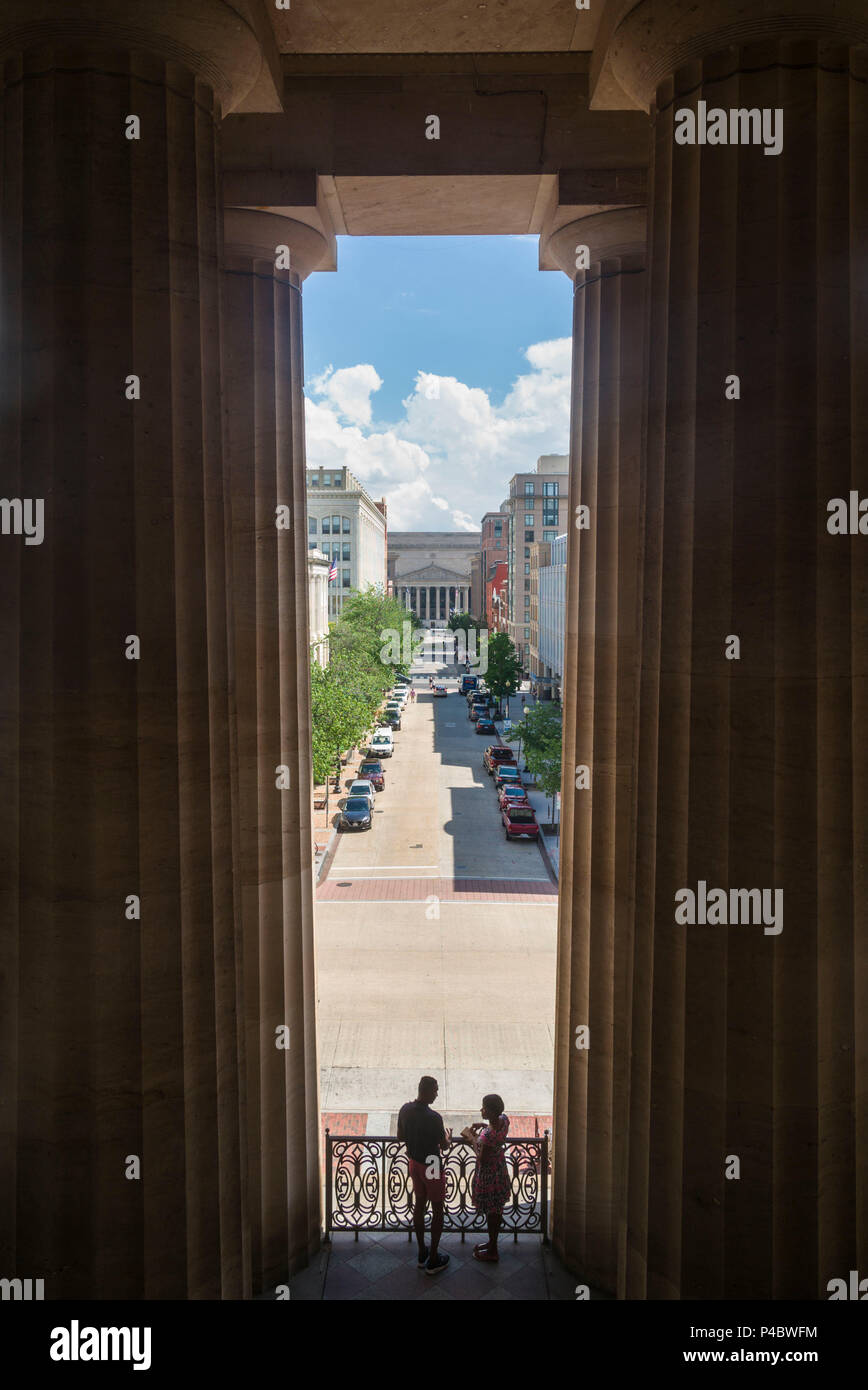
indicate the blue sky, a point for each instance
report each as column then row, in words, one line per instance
column 436, row 367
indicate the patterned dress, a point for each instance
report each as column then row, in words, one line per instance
column 491, row 1186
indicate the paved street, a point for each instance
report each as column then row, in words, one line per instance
column 436, row 937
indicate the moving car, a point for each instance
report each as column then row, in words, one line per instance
column 373, row 772
column 519, row 822
column 440, row 690
column 356, row 814
column 484, row 725
column 468, row 683
column 362, row 787
column 507, row 772
column 381, row 744
column 478, row 712
column 495, row 756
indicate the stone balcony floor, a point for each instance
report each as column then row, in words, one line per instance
column 382, row 1265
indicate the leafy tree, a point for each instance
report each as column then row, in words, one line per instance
column 543, row 746
column 461, row 620
column 340, row 715
column 504, row 666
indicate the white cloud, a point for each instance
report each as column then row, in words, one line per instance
column 454, row 452
column 350, row 389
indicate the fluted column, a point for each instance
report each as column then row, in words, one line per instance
column 123, row 1174
column 264, row 436
column 595, row 933
column 752, row 1046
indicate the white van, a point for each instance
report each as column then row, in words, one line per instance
column 381, row 744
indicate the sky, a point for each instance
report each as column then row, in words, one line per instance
column 435, row 368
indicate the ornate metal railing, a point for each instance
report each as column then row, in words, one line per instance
column 368, row 1186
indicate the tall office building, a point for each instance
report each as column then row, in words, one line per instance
column 537, row 511
column 349, row 528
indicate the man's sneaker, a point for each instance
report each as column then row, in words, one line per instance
column 423, row 1258
column 436, row 1264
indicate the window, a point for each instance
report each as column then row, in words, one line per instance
column 338, row 480
column 336, row 526
column 550, row 535
column 311, row 526
column 550, row 489
column 346, row 525
column 550, row 519
column 326, row 479
column 498, row 528
column 326, row 526
column 346, row 554
column 311, row 545
column 497, row 545
column 528, row 518
column 528, row 535
column 527, row 566
column 345, row 579
column 527, row 552
column 528, row 489
column 527, row 584
column 527, row 634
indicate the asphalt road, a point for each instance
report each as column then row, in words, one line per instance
column 435, row 936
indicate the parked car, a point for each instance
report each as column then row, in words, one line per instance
column 485, row 726
column 381, row 744
column 440, row 690
column 515, row 795
column 507, row 772
column 356, row 814
column 495, row 756
column 373, row 771
column 362, row 787
column 478, row 712
column 519, row 822
column 404, row 680
column 392, row 717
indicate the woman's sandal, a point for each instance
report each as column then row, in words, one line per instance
column 486, row 1256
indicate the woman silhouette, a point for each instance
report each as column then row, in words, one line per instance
column 491, row 1185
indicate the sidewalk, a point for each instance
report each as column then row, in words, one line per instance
column 538, row 799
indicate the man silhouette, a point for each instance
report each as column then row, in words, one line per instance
column 426, row 1137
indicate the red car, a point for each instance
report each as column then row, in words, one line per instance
column 520, row 823
column 512, row 796
column 495, row 755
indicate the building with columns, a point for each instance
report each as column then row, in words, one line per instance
column 430, row 572
column 349, row 528
column 151, row 293
column 318, row 604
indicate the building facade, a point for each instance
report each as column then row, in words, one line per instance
column 550, row 599
column 537, row 510
column 494, row 548
column 318, row 604
column 477, row 588
column 346, row 526
column 430, row 572
column 496, row 597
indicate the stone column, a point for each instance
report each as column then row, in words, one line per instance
column 264, row 440
column 120, row 981
column 600, row 657
column 749, row 1102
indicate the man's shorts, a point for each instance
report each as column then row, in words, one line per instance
column 433, row 1189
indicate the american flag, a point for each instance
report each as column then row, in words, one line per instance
column 333, row 571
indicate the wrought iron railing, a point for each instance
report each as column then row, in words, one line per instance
column 368, row 1186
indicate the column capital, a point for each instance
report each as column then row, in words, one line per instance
column 617, row 232
column 656, row 37
column 214, row 39
column 255, row 233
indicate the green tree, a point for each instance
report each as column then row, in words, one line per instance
column 504, row 666
column 543, row 747
column 340, row 714
column 461, row 620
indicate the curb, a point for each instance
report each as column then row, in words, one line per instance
column 326, row 862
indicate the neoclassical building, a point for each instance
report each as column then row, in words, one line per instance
column 172, row 173
column 430, row 571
